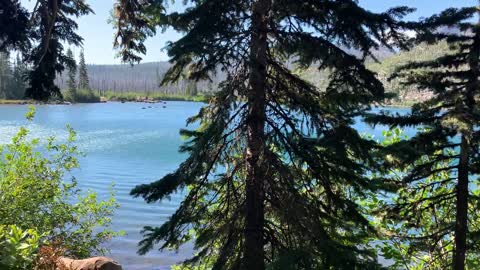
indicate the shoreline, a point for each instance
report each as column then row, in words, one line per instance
column 65, row 103
column 148, row 101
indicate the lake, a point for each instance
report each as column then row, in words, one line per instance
column 127, row 145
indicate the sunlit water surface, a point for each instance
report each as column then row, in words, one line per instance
column 126, row 144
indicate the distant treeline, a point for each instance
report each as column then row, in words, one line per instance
column 12, row 77
column 142, row 78
column 146, row 78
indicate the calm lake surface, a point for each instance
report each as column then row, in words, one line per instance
column 126, row 145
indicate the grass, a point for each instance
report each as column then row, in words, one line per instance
column 81, row 96
column 15, row 101
column 91, row 96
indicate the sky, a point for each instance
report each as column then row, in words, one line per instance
column 98, row 34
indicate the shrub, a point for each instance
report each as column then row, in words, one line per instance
column 36, row 193
column 81, row 96
column 18, row 248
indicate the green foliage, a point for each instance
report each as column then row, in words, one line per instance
column 35, row 193
column 275, row 159
column 12, row 77
column 404, row 95
column 135, row 96
column 191, row 89
column 19, row 79
column 14, row 32
column 5, row 75
column 81, row 96
column 51, row 26
column 83, row 81
column 72, row 74
column 417, row 219
column 433, row 211
column 18, row 248
column 387, row 67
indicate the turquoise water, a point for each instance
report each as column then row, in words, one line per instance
column 126, row 145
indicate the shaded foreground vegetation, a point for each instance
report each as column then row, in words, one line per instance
column 38, row 192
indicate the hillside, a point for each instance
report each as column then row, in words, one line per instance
column 388, row 65
column 385, row 68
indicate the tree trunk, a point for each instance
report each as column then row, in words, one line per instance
column 256, row 172
column 461, row 222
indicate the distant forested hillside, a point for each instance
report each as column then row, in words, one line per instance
column 146, row 77
column 386, row 67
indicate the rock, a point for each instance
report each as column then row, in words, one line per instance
column 95, row 263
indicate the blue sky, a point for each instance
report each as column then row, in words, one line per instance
column 98, row 34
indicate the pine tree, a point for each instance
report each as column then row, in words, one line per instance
column 13, row 31
column 51, row 25
column 72, row 74
column 83, row 81
column 439, row 195
column 5, row 74
column 275, row 169
column 19, row 76
column 191, row 88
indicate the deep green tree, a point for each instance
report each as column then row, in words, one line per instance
column 40, row 34
column 5, row 74
column 444, row 156
column 191, row 89
column 72, row 74
column 20, row 70
column 83, row 81
column 52, row 26
column 275, row 168
column 14, row 33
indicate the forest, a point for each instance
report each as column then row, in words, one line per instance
column 274, row 175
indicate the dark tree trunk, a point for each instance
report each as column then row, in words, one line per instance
column 461, row 222
column 256, row 172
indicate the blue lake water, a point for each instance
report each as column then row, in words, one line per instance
column 126, row 145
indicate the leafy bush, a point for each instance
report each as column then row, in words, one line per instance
column 18, row 248
column 37, row 194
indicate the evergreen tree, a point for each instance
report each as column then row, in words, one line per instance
column 5, row 74
column 275, row 169
column 83, row 81
column 52, row 26
column 72, row 74
column 13, row 21
column 191, row 88
column 436, row 209
column 40, row 35
column 19, row 76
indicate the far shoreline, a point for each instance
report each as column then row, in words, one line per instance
column 147, row 101
column 66, row 103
